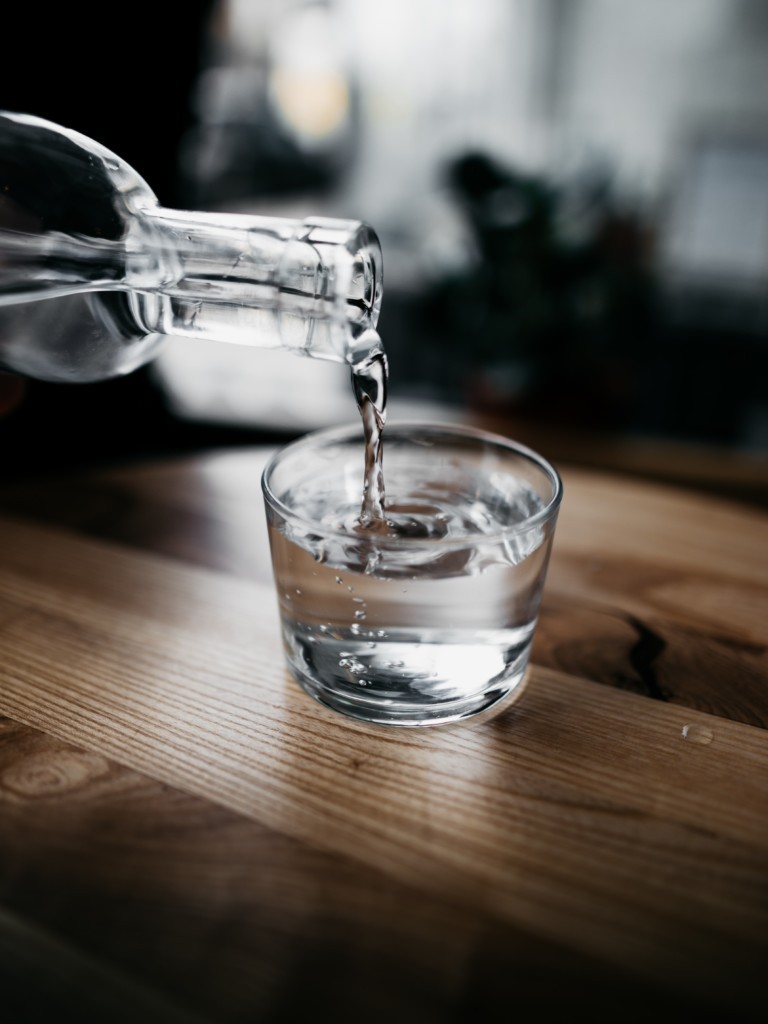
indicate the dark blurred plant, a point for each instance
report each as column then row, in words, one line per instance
column 561, row 300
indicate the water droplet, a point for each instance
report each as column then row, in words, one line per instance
column 323, row 629
column 351, row 589
column 371, row 643
column 339, row 579
column 297, row 590
column 359, row 614
column 381, row 632
column 698, row 734
column 354, row 628
column 358, row 600
column 363, row 682
column 287, row 597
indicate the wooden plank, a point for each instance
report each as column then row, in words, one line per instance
column 605, row 516
column 113, row 884
column 206, row 510
column 724, row 470
column 568, row 816
column 107, row 864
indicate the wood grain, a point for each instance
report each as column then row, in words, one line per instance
column 198, row 836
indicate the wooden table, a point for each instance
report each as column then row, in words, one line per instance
column 186, row 836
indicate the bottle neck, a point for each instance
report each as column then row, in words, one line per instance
column 312, row 286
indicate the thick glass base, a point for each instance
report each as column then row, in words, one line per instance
column 413, row 713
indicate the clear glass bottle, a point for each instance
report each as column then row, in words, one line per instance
column 95, row 274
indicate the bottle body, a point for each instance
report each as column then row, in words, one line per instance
column 94, row 274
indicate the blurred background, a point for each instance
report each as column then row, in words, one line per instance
column 571, row 195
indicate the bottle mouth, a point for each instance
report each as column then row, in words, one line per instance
column 329, row 286
column 367, row 281
column 349, row 269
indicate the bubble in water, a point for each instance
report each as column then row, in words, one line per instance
column 372, row 561
column 352, row 664
column 698, row 734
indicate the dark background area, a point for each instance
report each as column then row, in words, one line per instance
column 565, row 321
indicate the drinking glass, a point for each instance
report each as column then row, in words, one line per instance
column 427, row 618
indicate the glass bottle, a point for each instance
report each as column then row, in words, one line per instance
column 95, row 274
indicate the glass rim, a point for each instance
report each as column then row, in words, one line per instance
column 347, row 432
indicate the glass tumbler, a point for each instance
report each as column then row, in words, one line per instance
column 429, row 618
